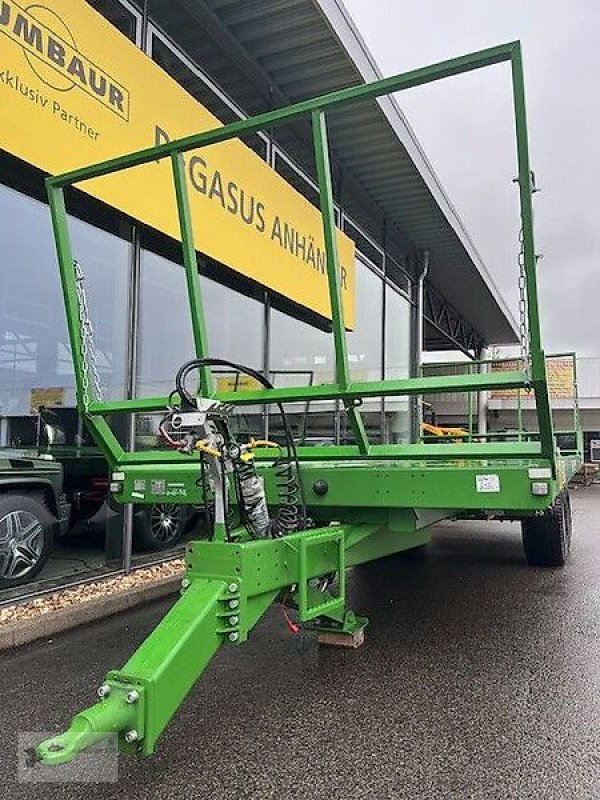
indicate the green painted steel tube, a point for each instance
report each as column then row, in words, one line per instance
column 190, row 263
column 165, row 667
column 168, row 663
column 538, row 359
column 316, row 107
column 358, row 389
column 89, row 727
column 321, row 147
column 271, row 119
column 178, row 650
column 101, row 432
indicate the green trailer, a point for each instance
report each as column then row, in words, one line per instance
column 285, row 521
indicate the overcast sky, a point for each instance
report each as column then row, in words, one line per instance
column 465, row 126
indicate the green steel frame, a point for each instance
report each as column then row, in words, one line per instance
column 373, row 500
column 521, row 432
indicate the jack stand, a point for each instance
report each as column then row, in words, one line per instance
column 350, row 632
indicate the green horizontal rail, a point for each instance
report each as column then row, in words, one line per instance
column 447, row 451
column 395, row 388
column 270, row 119
column 485, row 361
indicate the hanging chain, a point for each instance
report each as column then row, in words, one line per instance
column 523, row 318
column 88, row 348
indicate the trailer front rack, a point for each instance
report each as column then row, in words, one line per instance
column 366, row 500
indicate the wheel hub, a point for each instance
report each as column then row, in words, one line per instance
column 21, row 544
column 164, row 522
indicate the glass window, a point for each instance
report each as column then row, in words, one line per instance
column 364, row 342
column 397, row 364
column 235, row 324
column 121, row 17
column 165, row 339
column 302, row 355
column 397, row 273
column 235, row 330
column 35, row 353
column 297, row 347
column 33, row 335
column 365, row 350
column 397, row 335
column 366, row 247
column 36, row 373
column 182, row 70
column 104, row 260
column 295, row 178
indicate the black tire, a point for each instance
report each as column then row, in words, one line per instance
column 568, row 515
column 547, row 538
column 160, row 526
column 26, row 536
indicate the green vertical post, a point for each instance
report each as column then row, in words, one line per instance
column 99, row 428
column 64, row 252
column 538, row 359
column 576, row 412
column 191, row 269
column 519, row 414
column 321, row 146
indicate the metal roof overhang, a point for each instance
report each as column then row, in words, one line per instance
column 268, row 53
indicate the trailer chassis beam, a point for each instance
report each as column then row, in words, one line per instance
column 227, row 589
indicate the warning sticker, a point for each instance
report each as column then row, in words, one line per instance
column 487, row 483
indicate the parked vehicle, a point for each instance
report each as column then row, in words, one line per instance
column 33, row 511
column 52, row 479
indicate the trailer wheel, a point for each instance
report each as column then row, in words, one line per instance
column 547, row 538
column 569, row 515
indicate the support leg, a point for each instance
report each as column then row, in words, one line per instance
column 340, row 628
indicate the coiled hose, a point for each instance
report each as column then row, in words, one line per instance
column 291, row 515
column 289, row 518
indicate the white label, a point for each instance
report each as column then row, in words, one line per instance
column 118, row 476
column 487, row 483
column 540, row 473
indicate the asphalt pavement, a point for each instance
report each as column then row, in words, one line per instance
column 479, row 679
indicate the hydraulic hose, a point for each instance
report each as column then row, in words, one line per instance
column 187, row 398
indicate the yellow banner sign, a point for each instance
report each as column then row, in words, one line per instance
column 75, row 91
column 237, row 383
column 48, row 397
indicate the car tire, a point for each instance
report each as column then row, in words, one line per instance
column 26, row 536
column 159, row 526
column 547, row 538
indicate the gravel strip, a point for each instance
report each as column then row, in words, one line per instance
column 67, row 598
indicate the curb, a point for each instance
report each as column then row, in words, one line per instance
column 15, row 634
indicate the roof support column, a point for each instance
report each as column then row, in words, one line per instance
column 420, row 268
column 482, row 398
